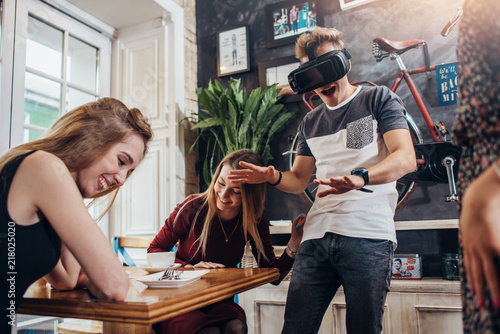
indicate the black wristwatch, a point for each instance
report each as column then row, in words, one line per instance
column 362, row 171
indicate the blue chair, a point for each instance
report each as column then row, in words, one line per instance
column 120, row 243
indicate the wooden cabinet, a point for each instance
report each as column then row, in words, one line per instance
column 427, row 306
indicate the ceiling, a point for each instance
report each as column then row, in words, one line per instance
column 121, row 13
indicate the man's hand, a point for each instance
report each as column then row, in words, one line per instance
column 252, row 174
column 340, row 184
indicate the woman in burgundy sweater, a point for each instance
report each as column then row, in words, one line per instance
column 212, row 229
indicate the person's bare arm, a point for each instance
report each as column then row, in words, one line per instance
column 294, row 181
column 400, row 161
column 480, row 233
column 49, row 188
column 65, row 274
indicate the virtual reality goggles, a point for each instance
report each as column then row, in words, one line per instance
column 320, row 71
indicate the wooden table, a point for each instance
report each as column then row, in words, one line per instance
column 143, row 307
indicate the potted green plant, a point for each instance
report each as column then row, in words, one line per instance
column 231, row 120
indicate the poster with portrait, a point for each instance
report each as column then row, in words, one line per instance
column 407, row 267
column 232, row 51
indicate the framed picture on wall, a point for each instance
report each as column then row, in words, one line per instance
column 286, row 20
column 276, row 71
column 346, row 4
column 232, row 51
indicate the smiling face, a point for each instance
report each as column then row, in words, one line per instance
column 227, row 195
column 336, row 92
column 112, row 169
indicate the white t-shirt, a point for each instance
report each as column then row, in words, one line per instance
column 345, row 137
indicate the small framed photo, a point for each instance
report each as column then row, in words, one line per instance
column 232, row 51
column 286, row 20
column 407, row 266
column 276, row 71
column 346, row 4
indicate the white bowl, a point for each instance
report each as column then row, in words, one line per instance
column 161, row 259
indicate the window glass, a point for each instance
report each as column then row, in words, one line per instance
column 41, row 101
column 44, row 48
column 45, row 80
column 31, row 134
column 82, row 64
column 76, row 98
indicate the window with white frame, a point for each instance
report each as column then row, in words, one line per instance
column 61, row 73
column 59, row 64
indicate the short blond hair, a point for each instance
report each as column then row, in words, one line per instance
column 317, row 37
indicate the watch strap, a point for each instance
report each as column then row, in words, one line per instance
column 363, row 172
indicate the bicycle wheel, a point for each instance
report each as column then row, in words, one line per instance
column 405, row 188
column 310, row 193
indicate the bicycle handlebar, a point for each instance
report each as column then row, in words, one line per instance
column 452, row 22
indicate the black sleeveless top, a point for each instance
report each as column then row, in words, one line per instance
column 27, row 252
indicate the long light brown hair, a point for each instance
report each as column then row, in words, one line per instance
column 253, row 197
column 83, row 135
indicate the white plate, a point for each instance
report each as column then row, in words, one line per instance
column 158, row 269
column 187, row 277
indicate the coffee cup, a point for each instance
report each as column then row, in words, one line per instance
column 161, row 259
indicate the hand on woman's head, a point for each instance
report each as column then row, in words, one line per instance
column 251, row 174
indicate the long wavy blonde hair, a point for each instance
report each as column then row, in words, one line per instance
column 253, row 197
column 83, row 135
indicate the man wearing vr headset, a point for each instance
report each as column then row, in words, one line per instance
column 359, row 142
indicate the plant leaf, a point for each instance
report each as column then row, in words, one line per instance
column 229, row 119
column 266, row 154
column 282, row 119
column 209, row 122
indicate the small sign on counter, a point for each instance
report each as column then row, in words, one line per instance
column 407, row 266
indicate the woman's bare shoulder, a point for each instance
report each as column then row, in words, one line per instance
column 42, row 172
column 42, row 163
column 42, row 157
column 35, row 180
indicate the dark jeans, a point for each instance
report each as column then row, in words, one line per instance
column 361, row 266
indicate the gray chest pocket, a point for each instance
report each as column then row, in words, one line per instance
column 360, row 133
